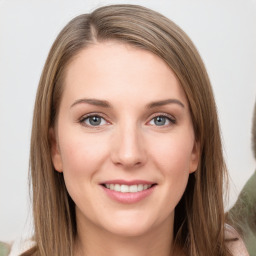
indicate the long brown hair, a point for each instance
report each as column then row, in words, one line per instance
column 199, row 216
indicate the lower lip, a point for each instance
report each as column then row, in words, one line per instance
column 128, row 198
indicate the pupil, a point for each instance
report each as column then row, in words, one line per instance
column 95, row 120
column 160, row 120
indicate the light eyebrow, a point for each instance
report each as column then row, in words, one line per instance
column 95, row 102
column 165, row 102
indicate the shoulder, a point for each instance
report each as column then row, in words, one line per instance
column 19, row 246
column 234, row 242
column 4, row 249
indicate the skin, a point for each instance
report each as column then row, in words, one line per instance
column 128, row 144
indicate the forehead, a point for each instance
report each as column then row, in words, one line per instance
column 112, row 70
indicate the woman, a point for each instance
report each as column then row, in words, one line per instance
column 126, row 155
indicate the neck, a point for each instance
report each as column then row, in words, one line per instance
column 92, row 240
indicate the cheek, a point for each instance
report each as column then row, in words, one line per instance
column 82, row 154
column 173, row 153
column 171, row 157
column 82, row 157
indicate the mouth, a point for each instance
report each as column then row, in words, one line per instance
column 129, row 192
column 128, row 188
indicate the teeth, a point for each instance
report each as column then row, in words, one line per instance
column 145, row 187
column 126, row 188
column 133, row 188
column 117, row 187
column 140, row 187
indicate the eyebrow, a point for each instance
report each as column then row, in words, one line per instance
column 95, row 102
column 106, row 104
column 164, row 102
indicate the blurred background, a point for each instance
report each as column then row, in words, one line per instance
column 223, row 31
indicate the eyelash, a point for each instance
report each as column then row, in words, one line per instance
column 170, row 118
column 100, row 115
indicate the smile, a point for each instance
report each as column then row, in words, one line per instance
column 128, row 192
column 126, row 188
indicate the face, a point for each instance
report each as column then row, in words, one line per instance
column 123, row 139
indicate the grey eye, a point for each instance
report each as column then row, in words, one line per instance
column 95, row 121
column 160, row 121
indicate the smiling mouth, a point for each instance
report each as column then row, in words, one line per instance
column 128, row 188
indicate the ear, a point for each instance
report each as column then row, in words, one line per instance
column 195, row 156
column 55, row 152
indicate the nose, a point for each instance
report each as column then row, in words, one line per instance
column 128, row 148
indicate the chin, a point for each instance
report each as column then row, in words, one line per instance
column 129, row 226
column 129, row 231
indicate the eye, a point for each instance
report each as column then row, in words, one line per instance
column 93, row 120
column 161, row 120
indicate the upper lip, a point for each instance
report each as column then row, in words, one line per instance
column 128, row 182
